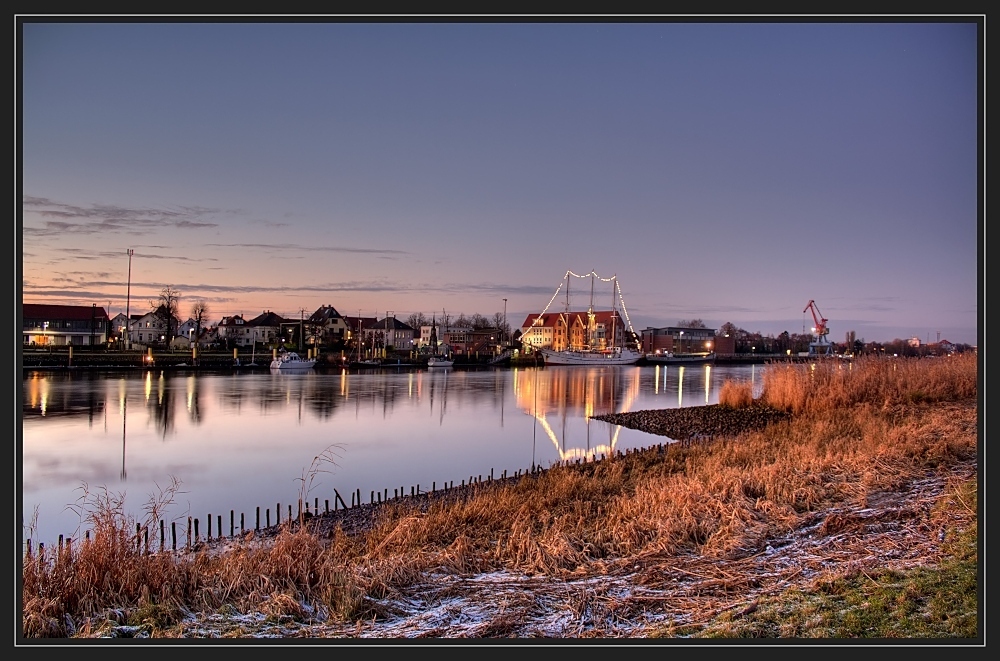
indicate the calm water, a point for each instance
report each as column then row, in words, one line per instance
column 238, row 441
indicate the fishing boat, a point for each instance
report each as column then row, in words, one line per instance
column 592, row 337
column 289, row 361
column 672, row 358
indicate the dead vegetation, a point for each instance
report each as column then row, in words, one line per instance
column 660, row 541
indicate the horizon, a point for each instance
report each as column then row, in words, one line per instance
column 722, row 171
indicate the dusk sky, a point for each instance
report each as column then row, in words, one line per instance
column 728, row 172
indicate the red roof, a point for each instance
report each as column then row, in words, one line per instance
column 53, row 312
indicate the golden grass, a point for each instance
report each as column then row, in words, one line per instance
column 859, row 429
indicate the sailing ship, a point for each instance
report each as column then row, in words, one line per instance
column 591, row 337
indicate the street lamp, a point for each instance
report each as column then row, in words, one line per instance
column 682, row 341
column 505, row 319
column 128, row 298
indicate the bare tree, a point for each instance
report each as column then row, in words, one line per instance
column 479, row 322
column 729, row 329
column 416, row 320
column 199, row 312
column 694, row 323
column 165, row 309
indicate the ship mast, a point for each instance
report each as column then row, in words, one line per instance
column 590, row 313
column 613, row 342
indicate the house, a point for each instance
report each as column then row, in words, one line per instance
column 264, row 328
column 469, row 341
column 232, row 330
column 574, row 330
column 327, row 326
column 185, row 338
column 424, row 338
column 118, row 327
column 354, row 335
column 151, row 328
column 387, row 333
column 60, row 325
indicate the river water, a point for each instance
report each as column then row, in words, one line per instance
column 237, row 441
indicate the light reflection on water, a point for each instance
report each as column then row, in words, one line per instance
column 238, row 441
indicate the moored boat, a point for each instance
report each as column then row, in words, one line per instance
column 671, row 358
column 613, row 356
column 591, row 337
column 289, row 361
column 438, row 359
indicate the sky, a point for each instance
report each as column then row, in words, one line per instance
column 728, row 171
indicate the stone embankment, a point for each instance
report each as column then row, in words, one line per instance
column 694, row 422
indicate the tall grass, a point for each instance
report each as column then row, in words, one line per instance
column 715, row 499
column 830, row 384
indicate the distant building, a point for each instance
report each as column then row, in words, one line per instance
column 60, row 325
column 327, row 326
column 264, row 328
column 677, row 339
column 234, row 329
column 424, row 339
column 388, row 332
column 150, row 329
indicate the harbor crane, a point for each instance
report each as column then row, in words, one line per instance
column 821, row 345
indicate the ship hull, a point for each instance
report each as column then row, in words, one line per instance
column 616, row 357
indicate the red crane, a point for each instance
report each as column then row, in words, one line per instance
column 818, row 319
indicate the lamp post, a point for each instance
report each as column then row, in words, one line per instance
column 504, row 320
column 128, row 298
column 682, row 342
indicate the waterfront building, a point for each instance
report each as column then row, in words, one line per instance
column 561, row 331
column 60, row 325
column 678, row 339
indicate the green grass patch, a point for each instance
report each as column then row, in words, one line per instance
column 924, row 602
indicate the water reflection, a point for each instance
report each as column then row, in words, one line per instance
column 559, row 399
column 242, row 440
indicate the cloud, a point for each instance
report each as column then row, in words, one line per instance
column 62, row 218
column 295, row 246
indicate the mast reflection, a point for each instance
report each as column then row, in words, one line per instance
column 570, row 396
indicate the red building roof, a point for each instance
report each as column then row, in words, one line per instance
column 550, row 319
column 53, row 312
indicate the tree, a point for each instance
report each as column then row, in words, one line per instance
column 416, row 320
column 165, row 309
column 728, row 329
column 199, row 312
column 462, row 321
column 498, row 322
column 479, row 322
column 694, row 323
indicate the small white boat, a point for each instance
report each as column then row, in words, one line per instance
column 289, row 361
column 439, row 361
